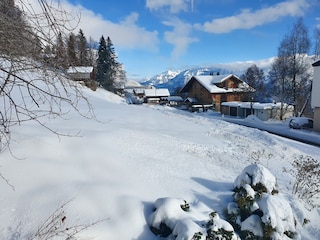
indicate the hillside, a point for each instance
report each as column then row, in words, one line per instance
column 117, row 167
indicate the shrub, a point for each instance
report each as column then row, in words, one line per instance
column 177, row 219
column 306, row 171
column 257, row 211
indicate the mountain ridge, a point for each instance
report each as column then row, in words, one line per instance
column 175, row 79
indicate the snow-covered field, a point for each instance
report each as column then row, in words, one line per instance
column 135, row 154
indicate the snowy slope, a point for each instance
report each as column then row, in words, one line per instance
column 120, row 165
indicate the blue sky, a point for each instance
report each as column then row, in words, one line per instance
column 151, row 36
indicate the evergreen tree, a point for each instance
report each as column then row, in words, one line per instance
column 82, row 44
column 17, row 37
column 102, row 65
column 71, row 50
column 106, row 64
column 92, row 55
column 60, row 53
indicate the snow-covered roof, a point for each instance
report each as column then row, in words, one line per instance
column 255, row 105
column 210, row 83
column 175, row 98
column 80, row 69
column 316, row 64
column 154, row 92
column 212, row 79
column 132, row 84
column 191, row 100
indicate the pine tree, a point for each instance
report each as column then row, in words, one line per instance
column 83, row 58
column 60, row 53
column 17, row 37
column 92, row 55
column 71, row 49
column 113, row 65
column 104, row 66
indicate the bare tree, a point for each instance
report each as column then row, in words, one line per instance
column 254, row 77
column 317, row 43
column 291, row 65
column 29, row 89
column 280, row 83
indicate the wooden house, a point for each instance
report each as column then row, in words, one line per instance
column 83, row 75
column 216, row 89
column 154, row 95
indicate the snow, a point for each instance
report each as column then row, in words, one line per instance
column 161, row 92
column 252, row 224
column 137, row 158
column 277, row 212
column 80, row 69
column 254, row 174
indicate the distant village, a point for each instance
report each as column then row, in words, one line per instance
column 225, row 93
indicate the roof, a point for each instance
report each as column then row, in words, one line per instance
column 175, row 98
column 209, row 82
column 255, row 105
column 80, row 69
column 154, row 92
column 316, row 64
column 191, row 100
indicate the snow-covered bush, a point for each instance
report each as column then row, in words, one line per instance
column 258, row 211
column 306, row 171
column 176, row 218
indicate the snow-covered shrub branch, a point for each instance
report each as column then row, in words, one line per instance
column 56, row 226
column 306, row 171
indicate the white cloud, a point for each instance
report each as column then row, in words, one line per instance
column 248, row 19
column 175, row 6
column 124, row 34
column 179, row 37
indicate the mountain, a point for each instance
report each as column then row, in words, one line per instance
column 161, row 78
column 174, row 80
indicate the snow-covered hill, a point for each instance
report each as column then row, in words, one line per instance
column 117, row 167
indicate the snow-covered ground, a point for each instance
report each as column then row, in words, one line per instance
column 121, row 165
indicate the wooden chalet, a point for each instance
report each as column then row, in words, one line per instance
column 154, row 95
column 81, row 73
column 216, row 89
column 84, row 75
